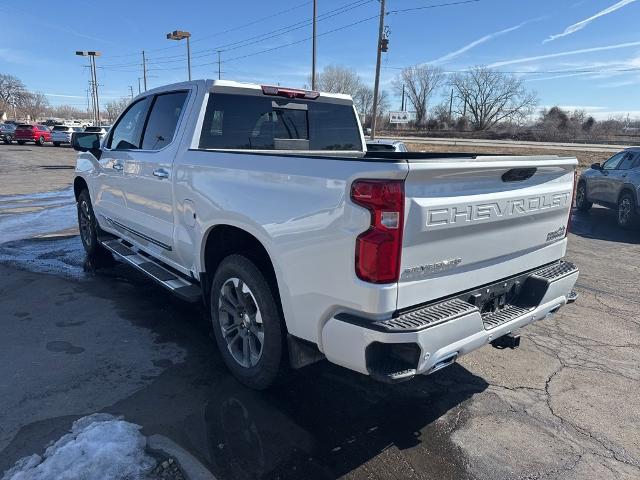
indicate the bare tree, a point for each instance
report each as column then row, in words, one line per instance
column 12, row 92
column 67, row 112
column 420, row 82
column 34, row 105
column 114, row 108
column 338, row 79
column 489, row 97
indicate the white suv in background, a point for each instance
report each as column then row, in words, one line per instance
column 62, row 134
column 102, row 130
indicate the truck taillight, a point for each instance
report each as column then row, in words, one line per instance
column 378, row 249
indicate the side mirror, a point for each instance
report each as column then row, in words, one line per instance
column 596, row 166
column 86, row 142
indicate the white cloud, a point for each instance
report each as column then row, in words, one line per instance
column 564, row 54
column 582, row 24
column 475, row 43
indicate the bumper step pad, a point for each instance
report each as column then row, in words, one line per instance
column 495, row 319
column 427, row 316
column 185, row 288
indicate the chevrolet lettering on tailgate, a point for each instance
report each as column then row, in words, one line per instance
column 482, row 212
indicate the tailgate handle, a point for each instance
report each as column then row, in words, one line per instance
column 518, row 174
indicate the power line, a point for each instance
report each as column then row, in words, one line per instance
column 425, row 7
column 258, row 20
column 253, row 39
column 537, row 72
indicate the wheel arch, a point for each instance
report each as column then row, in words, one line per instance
column 79, row 184
column 223, row 240
column 630, row 189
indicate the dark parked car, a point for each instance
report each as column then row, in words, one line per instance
column 7, row 132
column 614, row 184
column 32, row 133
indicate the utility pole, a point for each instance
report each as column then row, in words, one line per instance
column 402, row 104
column 376, row 85
column 313, row 54
column 144, row 70
column 131, row 91
column 139, row 91
column 451, row 104
column 219, row 65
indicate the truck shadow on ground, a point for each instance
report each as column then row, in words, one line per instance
column 325, row 422
column 600, row 223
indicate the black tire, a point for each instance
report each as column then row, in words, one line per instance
column 7, row 140
column 40, row 141
column 56, row 144
column 20, row 142
column 582, row 204
column 627, row 214
column 270, row 367
column 89, row 229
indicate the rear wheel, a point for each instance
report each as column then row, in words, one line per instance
column 627, row 214
column 7, row 139
column 247, row 323
column 40, row 141
column 582, row 203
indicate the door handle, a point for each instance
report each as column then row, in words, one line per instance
column 118, row 166
column 161, row 173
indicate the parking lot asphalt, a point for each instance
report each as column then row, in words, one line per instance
column 80, row 338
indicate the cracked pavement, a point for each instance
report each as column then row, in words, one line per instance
column 562, row 406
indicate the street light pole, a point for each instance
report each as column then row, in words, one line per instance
column 94, row 80
column 376, row 85
column 181, row 35
column 219, row 76
column 313, row 55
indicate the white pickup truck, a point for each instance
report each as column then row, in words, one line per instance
column 262, row 202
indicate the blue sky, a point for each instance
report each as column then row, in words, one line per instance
column 583, row 54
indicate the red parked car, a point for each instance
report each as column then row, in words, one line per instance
column 32, row 133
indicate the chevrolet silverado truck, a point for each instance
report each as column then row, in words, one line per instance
column 263, row 202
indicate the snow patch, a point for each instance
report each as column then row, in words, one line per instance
column 99, row 447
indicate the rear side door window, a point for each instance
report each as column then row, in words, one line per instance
column 163, row 120
column 127, row 132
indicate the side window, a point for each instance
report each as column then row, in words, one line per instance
column 126, row 133
column 163, row 120
column 627, row 161
column 614, row 161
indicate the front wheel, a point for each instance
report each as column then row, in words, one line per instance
column 40, row 141
column 7, row 140
column 89, row 228
column 247, row 323
column 627, row 214
column 582, row 203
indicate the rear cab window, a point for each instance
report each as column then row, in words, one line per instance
column 257, row 122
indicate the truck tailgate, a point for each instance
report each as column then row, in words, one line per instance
column 470, row 222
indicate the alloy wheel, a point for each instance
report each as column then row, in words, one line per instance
column 241, row 323
column 624, row 211
column 85, row 222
